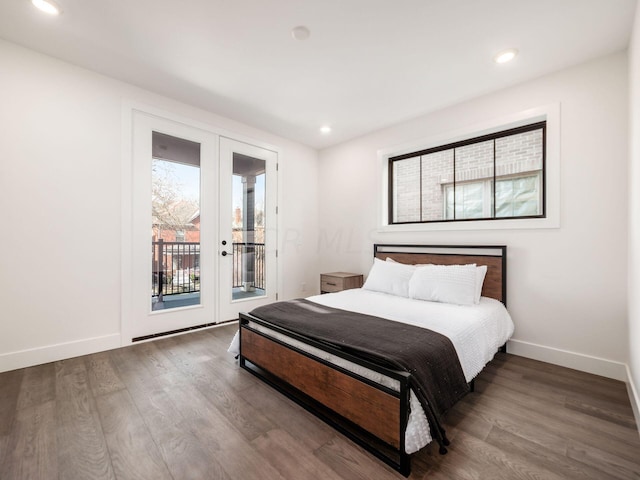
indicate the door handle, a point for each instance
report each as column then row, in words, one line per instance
column 224, row 254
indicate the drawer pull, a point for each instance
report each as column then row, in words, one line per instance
column 332, row 284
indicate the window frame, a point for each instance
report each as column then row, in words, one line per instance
column 480, row 121
column 532, row 125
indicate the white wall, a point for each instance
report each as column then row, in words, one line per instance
column 60, row 191
column 634, row 215
column 566, row 286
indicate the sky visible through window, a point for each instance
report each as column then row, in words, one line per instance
column 189, row 178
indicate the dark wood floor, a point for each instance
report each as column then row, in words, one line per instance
column 180, row 408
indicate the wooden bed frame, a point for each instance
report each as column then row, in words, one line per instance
column 372, row 415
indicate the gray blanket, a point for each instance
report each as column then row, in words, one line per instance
column 435, row 372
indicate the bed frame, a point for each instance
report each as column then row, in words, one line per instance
column 372, row 415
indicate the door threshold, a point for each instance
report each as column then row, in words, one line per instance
column 180, row 330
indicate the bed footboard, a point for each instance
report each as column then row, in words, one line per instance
column 372, row 415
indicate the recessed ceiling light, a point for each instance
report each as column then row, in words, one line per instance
column 325, row 129
column 300, row 33
column 47, row 6
column 506, row 55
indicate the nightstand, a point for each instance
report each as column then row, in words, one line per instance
column 338, row 281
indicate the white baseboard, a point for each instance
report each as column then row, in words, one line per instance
column 565, row 358
column 61, row 351
column 634, row 398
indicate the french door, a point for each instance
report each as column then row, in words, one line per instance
column 248, row 227
column 203, row 227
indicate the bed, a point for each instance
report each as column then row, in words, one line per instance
column 352, row 377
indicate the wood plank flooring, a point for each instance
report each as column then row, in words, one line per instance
column 180, row 408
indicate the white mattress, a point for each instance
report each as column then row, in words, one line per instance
column 476, row 332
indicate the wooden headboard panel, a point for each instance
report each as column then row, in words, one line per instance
column 494, row 257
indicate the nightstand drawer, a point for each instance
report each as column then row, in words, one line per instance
column 338, row 281
column 331, row 284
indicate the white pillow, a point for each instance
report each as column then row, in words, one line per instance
column 455, row 284
column 481, row 272
column 389, row 277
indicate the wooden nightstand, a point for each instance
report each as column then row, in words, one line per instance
column 338, row 281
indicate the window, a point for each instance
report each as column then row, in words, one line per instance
column 497, row 176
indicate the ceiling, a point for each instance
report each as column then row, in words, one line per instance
column 367, row 64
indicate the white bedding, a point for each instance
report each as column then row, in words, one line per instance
column 476, row 332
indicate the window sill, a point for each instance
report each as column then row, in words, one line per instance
column 511, row 224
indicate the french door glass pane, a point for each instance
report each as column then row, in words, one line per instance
column 248, row 227
column 175, row 211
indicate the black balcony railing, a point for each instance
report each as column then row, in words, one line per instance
column 176, row 266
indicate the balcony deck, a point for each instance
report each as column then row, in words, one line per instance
column 193, row 298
